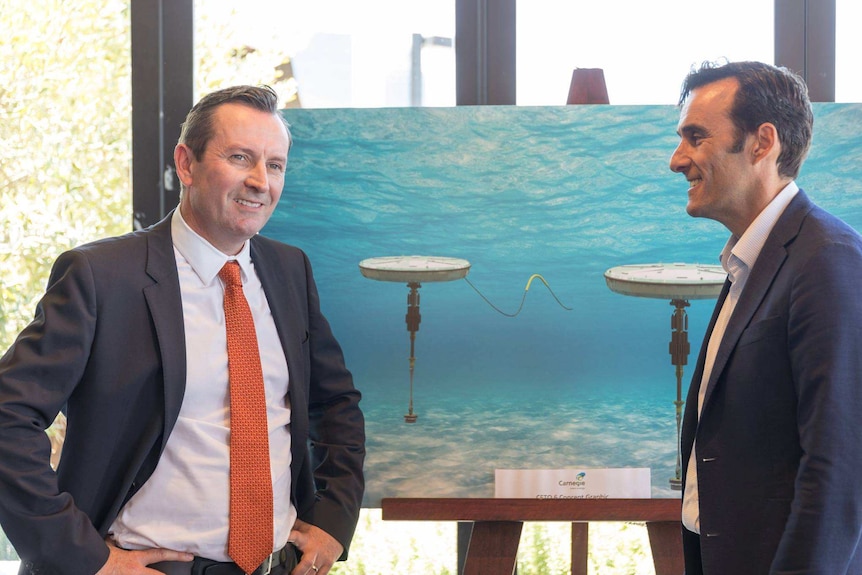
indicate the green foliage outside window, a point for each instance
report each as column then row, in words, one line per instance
column 65, row 139
column 65, row 144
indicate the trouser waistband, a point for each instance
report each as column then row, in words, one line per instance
column 284, row 559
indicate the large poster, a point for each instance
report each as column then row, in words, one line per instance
column 564, row 374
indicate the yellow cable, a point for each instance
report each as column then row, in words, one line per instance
column 523, row 298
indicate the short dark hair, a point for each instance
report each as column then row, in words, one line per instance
column 197, row 130
column 766, row 94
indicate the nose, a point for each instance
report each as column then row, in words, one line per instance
column 679, row 160
column 257, row 177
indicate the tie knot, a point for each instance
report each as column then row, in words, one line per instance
column 229, row 274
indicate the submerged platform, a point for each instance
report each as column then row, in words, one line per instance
column 667, row 281
column 421, row 269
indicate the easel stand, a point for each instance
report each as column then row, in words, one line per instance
column 497, row 525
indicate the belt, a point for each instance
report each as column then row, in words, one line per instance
column 286, row 556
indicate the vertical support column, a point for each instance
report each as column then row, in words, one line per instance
column 413, row 319
column 493, row 548
column 665, row 540
column 805, row 43
column 679, row 349
column 162, row 93
column 485, row 52
column 465, row 531
column 580, row 547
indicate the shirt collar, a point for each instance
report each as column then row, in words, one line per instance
column 744, row 251
column 204, row 258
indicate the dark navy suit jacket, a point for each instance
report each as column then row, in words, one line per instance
column 107, row 346
column 779, row 441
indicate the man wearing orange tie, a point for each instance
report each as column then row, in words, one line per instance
column 213, row 428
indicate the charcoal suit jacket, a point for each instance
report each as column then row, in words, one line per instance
column 107, row 347
column 779, row 441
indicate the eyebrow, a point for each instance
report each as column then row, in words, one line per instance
column 279, row 159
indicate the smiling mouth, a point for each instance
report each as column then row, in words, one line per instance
column 694, row 182
column 248, row 204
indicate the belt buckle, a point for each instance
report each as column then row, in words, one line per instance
column 266, row 566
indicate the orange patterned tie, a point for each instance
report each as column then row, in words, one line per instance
column 250, row 538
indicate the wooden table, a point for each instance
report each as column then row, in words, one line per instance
column 497, row 525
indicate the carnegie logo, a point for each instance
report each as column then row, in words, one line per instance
column 580, row 480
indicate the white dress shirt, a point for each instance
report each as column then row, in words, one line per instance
column 737, row 258
column 184, row 505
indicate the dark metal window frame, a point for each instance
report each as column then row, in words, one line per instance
column 162, row 93
column 805, row 43
column 163, row 68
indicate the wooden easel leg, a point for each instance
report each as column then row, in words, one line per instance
column 580, row 547
column 665, row 539
column 493, row 548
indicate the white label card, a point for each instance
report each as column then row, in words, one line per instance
column 575, row 483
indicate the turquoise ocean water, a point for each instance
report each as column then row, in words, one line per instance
column 565, row 192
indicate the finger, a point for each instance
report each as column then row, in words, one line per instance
column 150, row 556
column 299, row 534
column 297, row 538
column 121, row 562
column 309, row 566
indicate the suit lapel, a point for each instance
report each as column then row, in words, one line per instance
column 690, row 418
column 165, row 304
column 767, row 266
column 280, row 290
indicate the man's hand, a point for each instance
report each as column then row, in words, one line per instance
column 121, row 562
column 319, row 549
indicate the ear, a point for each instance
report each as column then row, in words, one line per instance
column 766, row 143
column 183, row 158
